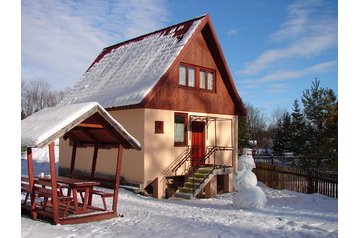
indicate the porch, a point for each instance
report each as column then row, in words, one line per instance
column 211, row 155
column 67, row 200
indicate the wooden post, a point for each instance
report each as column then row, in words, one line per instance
column 117, row 177
column 73, row 158
column 51, row 148
column 30, row 172
column 158, row 187
column 93, row 171
column 94, row 161
column 228, row 183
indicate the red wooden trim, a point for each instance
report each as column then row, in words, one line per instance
column 54, row 200
column 89, row 218
column 134, row 106
column 117, row 177
column 90, row 125
column 73, row 158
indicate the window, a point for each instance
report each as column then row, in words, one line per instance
column 210, row 81
column 180, row 129
column 197, row 77
column 182, row 75
column 202, row 84
column 159, row 127
column 191, row 77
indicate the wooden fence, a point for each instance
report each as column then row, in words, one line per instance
column 295, row 179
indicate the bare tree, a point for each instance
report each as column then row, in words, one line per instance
column 36, row 95
column 256, row 125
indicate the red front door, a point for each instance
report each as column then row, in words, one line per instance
column 197, row 142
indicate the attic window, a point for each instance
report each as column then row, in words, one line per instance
column 197, row 77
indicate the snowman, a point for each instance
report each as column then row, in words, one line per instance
column 248, row 194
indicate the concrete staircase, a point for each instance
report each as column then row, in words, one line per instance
column 195, row 184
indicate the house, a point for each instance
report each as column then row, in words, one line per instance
column 173, row 91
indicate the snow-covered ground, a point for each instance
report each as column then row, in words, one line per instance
column 286, row 214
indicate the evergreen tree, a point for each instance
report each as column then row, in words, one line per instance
column 243, row 133
column 298, row 130
column 282, row 134
column 320, row 107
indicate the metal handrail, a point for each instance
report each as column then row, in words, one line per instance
column 189, row 151
column 204, row 158
column 196, row 167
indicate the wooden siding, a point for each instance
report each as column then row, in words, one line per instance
column 171, row 96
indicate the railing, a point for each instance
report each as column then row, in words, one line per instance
column 296, row 179
column 183, row 157
column 211, row 150
column 178, row 162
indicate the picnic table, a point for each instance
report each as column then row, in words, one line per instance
column 75, row 185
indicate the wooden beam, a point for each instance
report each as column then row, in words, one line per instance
column 91, row 125
column 94, row 161
column 93, row 171
column 73, row 158
column 87, row 133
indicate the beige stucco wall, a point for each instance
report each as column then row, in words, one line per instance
column 132, row 163
column 158, row 151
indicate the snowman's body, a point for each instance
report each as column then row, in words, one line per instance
column 248, row 194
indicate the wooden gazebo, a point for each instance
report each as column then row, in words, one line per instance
column 84, row 124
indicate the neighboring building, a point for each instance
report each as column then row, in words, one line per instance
column 173, row 91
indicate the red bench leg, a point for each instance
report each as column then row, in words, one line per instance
column 26, row 197
column 104, row 203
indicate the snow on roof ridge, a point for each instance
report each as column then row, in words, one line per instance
column 125, row 74
column 155, row 31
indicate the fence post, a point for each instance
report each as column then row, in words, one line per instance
column 310, row 188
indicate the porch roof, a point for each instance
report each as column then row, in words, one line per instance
column 84, row 123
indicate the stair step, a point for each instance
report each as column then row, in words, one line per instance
column 205, row 170
column 191, row 185
column 185, row 190
column 183, row 195
column 200, row 175
column 196, row 180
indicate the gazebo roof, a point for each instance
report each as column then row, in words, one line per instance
column 84, row 123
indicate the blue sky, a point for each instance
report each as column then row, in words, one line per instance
column 274, row 49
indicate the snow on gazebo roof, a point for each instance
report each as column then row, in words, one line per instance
column 93, row 125
column 123, row 74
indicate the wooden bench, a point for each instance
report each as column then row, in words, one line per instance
column 100, row 193
column 44, row 189
column 25, row 187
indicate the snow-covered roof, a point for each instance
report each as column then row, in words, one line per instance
column 125, row 73
column 46, row 125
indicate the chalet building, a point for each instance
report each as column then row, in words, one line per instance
column 173, row 91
